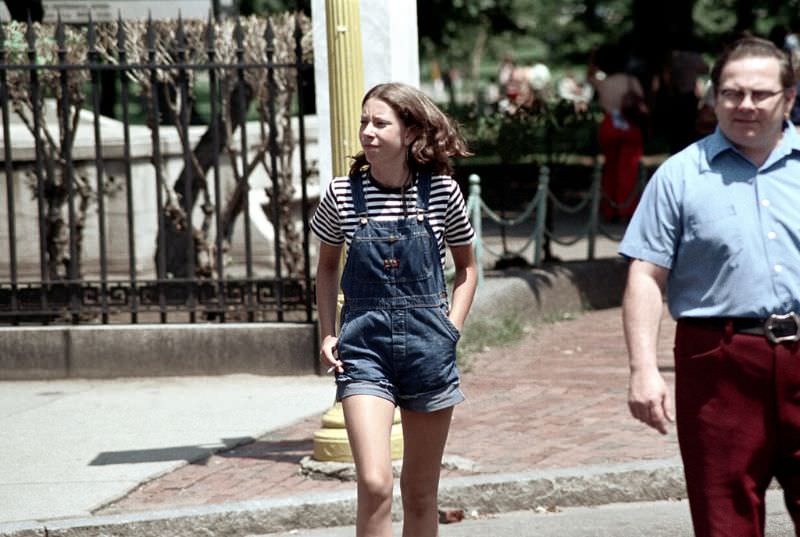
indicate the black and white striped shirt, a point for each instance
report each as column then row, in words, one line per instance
column 335, row 219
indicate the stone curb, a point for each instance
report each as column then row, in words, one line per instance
column 114, row 351
column 146, row 350
column 486, row 494
column 551, row 291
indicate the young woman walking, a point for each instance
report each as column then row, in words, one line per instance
column 396, row 212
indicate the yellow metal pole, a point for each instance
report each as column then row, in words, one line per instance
column 345, row 79
column 346, row 86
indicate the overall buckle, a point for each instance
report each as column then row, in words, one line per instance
column 779, row 322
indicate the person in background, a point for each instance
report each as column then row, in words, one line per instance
column 397, row 212
column 621, row 139
column 520, row 94
column 718, row 232
column 578, row 92
column 504, row 72
column 706, row 120
column 683, row 91
column 791, row 44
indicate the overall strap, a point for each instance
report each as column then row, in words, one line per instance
column 423, row 191
column 357, row 192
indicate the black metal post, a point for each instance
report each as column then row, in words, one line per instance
column 9, row 169
column 242, row 110
column 215, row 136
column 100, row 171
column 300, row 67
column 275, row 172
column 35, row 96
column 161, row 261
column 188, row 162
column 122, row 58
column 68, row 175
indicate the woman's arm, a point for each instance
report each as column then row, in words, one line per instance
column 466, row 281
column 327, row 292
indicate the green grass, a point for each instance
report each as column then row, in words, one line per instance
column 487, row 333
column 483, row 334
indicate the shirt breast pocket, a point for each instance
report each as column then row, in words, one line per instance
column 715, row 231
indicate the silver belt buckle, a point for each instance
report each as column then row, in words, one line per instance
column 772, row 321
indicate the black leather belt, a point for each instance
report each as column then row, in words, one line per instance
column 776, row 328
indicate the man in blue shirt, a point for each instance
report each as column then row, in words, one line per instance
column 718, row 232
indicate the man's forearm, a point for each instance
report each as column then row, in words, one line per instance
column 642, row 309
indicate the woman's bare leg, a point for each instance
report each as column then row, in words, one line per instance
column 424, row 437
column 369, row 424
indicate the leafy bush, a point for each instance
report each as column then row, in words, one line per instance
column 549, row 132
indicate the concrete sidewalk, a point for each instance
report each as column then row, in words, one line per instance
column 545, row 423
column 68, row 447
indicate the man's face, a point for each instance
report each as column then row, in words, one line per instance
column 751, row 105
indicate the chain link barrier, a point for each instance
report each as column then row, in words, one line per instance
column 536, row 209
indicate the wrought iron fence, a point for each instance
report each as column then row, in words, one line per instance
column 175, row 256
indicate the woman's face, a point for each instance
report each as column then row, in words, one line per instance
column 383, row 135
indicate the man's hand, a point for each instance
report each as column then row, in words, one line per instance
column 642, row 308
column 649, row 400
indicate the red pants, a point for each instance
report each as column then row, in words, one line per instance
column 738, row 415
column 622, row 150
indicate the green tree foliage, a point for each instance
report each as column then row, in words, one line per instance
column 451, row 24
column 265, row 7
column 717, row 21
column 564, row 32
column 533, row 30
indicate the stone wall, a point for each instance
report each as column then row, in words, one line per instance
column 143, row 181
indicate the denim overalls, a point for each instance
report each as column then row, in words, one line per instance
column 395, row 340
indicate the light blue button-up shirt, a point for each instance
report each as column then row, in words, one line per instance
column 728, row 232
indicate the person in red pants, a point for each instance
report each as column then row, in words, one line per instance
column 718, row 231
column 621, row 145
column 621, row 142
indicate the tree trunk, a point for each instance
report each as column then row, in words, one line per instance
column 20, row 10
column 590, row 17
column 477, row 55
column 659, row 28
column 745, row 15
column 179, row 242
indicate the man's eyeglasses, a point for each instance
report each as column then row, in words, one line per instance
column 735, row 97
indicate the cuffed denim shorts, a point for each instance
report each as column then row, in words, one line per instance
column 404, row 355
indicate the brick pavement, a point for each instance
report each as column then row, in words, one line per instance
column 555, row 398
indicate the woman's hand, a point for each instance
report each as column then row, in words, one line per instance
column 327, row 288
column 464, row 284
column 456, row 322
column 328, row 355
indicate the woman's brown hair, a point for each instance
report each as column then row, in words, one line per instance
column 436, row 136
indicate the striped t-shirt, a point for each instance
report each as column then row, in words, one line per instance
column 335, row 219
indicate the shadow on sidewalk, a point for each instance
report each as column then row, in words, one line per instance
column 190, row 454
column 290, row 451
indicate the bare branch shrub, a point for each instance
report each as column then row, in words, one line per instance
column 173, row 53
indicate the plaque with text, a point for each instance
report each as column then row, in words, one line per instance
column 77, row 11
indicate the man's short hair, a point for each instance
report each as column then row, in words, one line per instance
column 754, row 47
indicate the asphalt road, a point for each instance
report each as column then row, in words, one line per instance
column 644, row 519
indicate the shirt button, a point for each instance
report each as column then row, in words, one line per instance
column 778, row 268
column 771, row 235
column 765, row 203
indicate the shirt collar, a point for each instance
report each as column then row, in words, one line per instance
column 717, row 143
